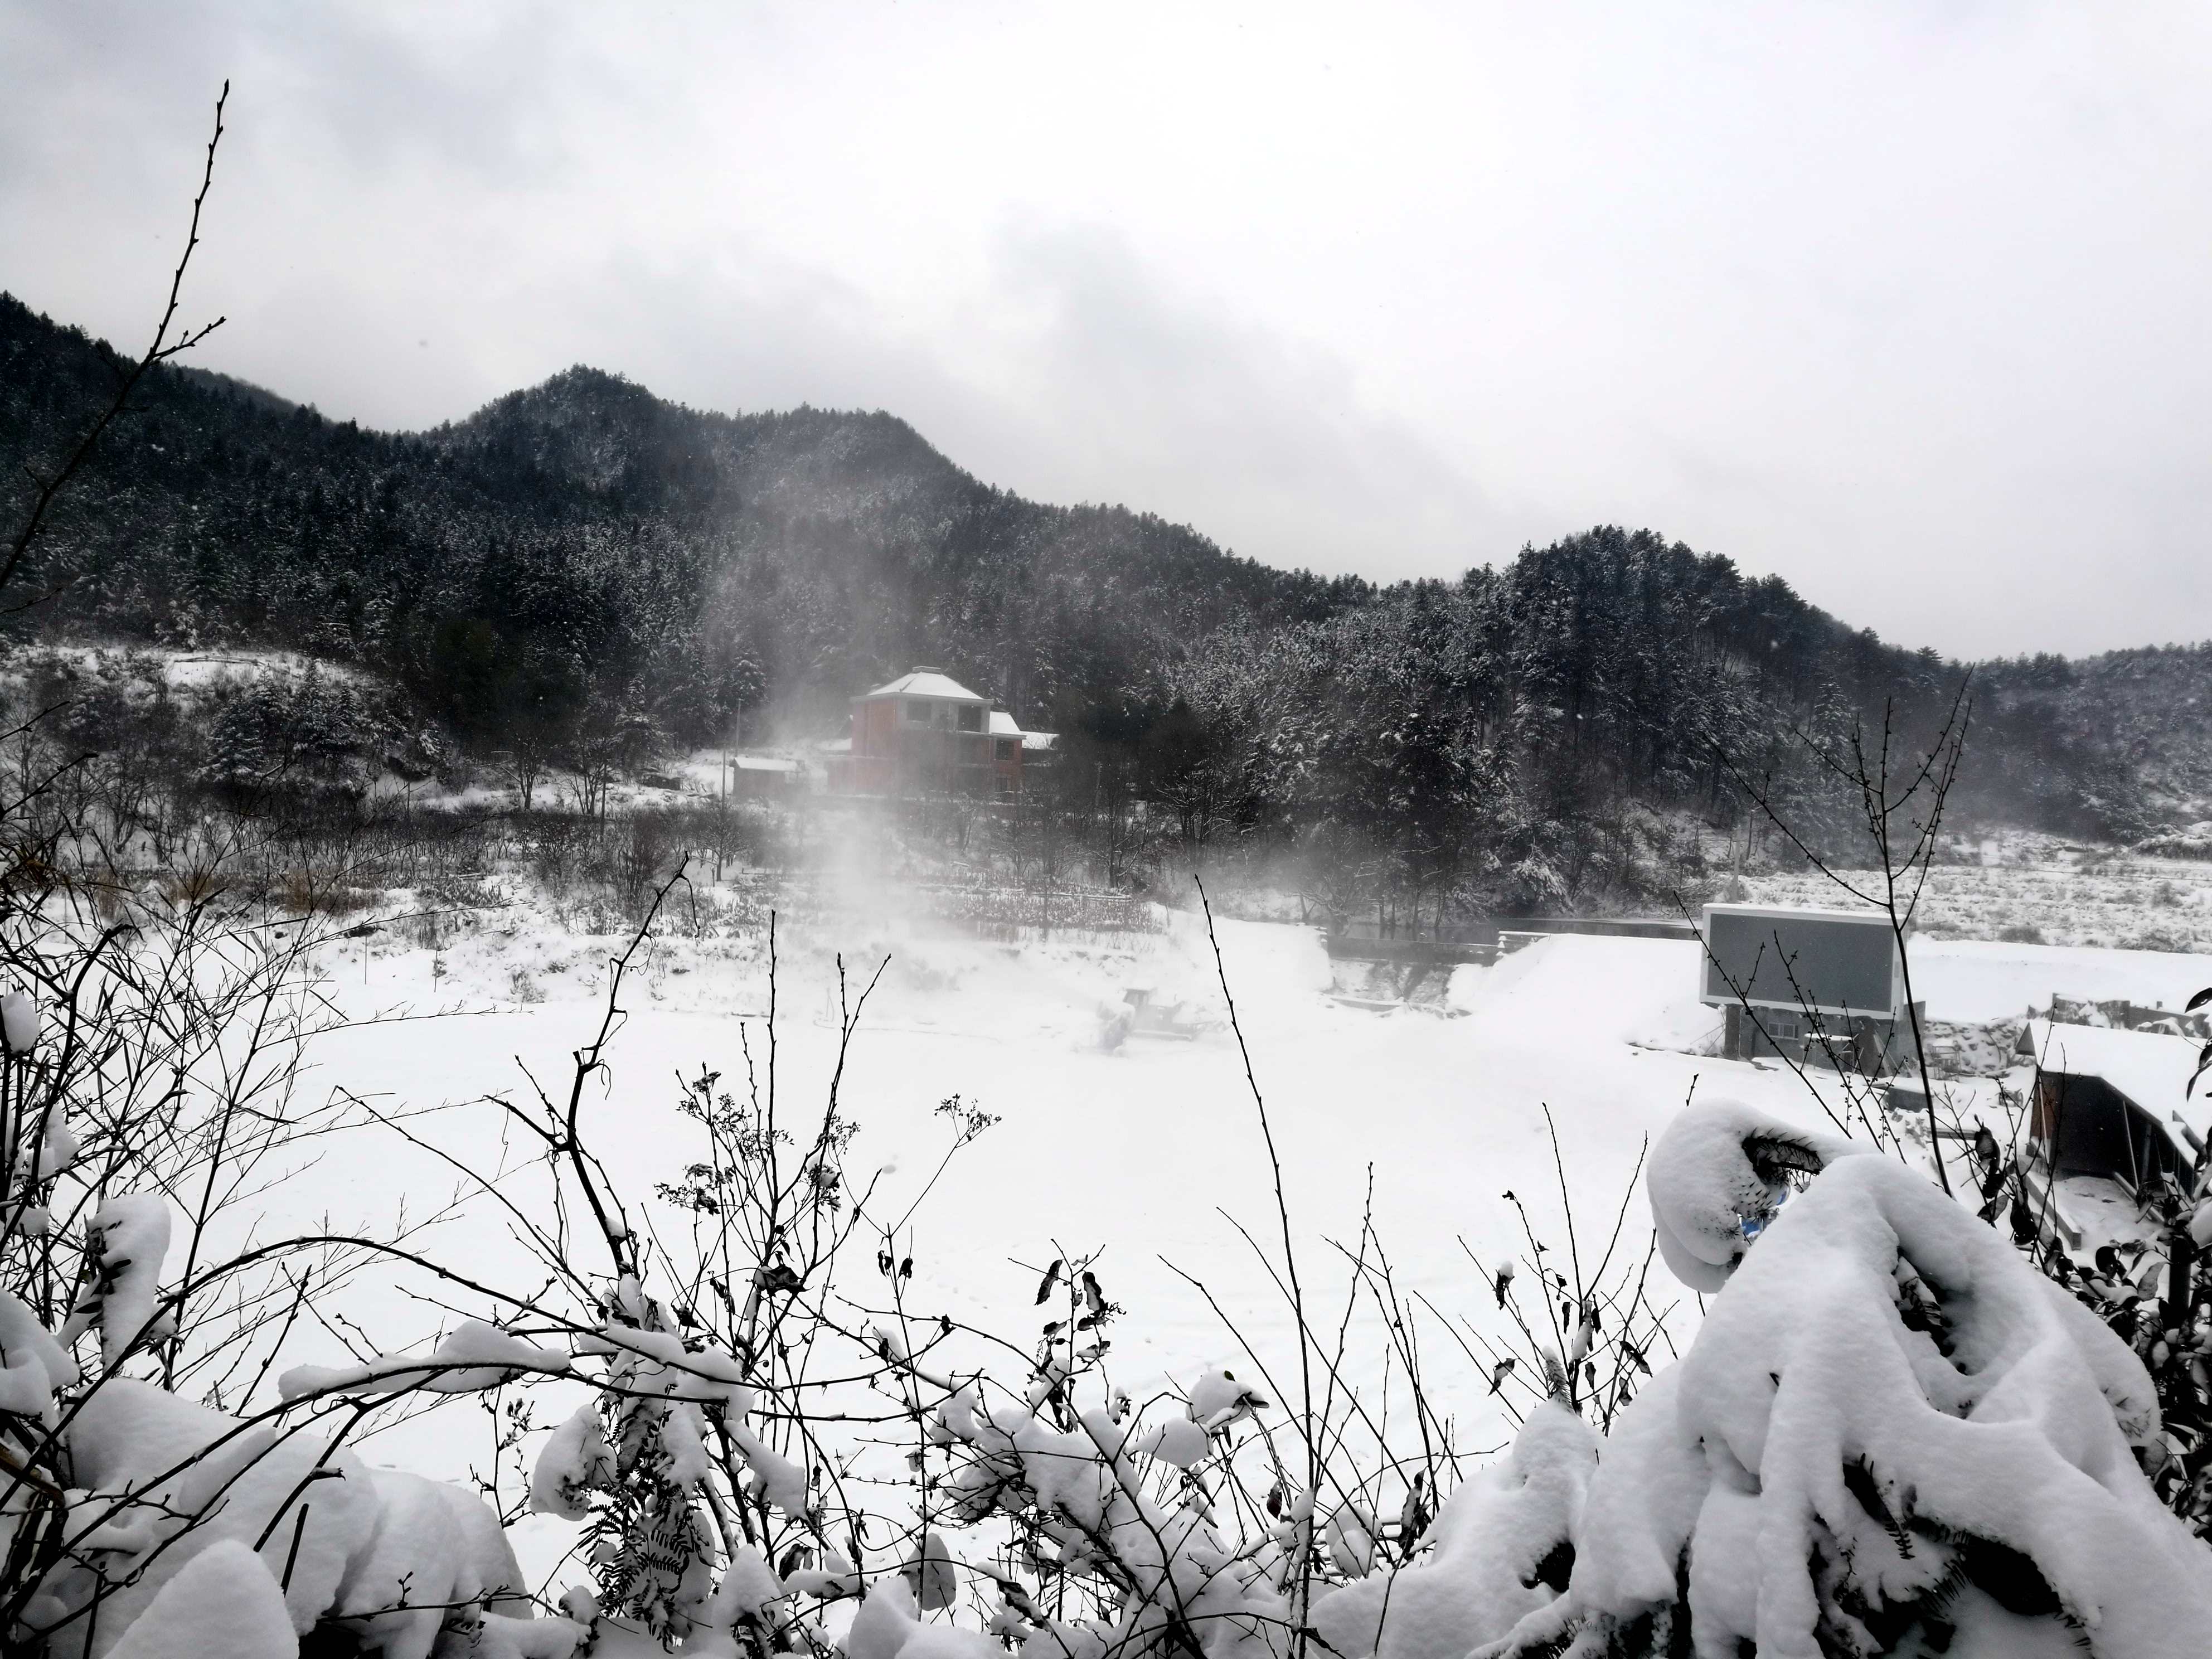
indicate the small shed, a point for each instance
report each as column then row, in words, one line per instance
column 2113, row 1105
column 765, row 777
column 1810, row 985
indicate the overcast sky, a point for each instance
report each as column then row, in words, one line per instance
column 1905, row 303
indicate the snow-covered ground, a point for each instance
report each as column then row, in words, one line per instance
column 1974, row 979
column 1149, row 1150
column 2034, row 888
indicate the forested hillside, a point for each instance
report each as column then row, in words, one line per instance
column 586, row 533
column 2146, row 712
column 585, row 556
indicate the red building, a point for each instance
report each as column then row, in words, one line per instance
column 925, row 733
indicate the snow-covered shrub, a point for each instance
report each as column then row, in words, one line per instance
column 390, row 1558
column 156, row 1497
column 2152, row 1292
column 1891, row 1434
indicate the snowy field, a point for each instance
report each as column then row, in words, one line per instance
column 2034, row 888
column 1151, row 1151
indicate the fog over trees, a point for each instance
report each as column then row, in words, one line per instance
column 583, row 566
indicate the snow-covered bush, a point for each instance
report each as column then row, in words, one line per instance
column 389, row 1559
column 151, row 1471
column 1890, row 1435
column 2154, row 1293
column 156, row 1497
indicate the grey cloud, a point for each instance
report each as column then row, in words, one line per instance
column 1160, row 402
column 1169, row 402
column 1903, row 308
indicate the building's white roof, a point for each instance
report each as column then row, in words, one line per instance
column 768, row 763
column 2148, row 1067
column 925, row 683
column 1002, row 725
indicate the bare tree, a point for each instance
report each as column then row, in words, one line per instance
column 48, row 486
column 1896, row 793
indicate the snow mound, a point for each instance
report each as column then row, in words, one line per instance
column 224, row 1601
column 1976, row 980
column 168, row 1484
column 1503, row 1545
column 1629, row 990
column 886, row 1627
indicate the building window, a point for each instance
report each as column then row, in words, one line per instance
column 1008, row 748
column 971, row 717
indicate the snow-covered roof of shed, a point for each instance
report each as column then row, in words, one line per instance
column 769, row 763
column 2150, row 1067
column 925, row 683
column 1039, row 739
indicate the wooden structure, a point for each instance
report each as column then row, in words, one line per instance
column 2113, row 1105
column 763, row 777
